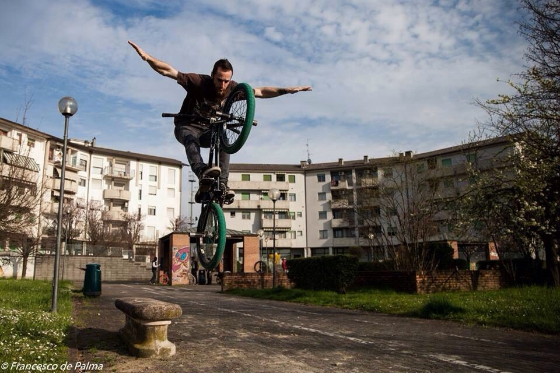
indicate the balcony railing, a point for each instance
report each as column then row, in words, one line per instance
column 116, row 194
column 114, row 215
column 7, row 143
column 258, row 185
column 118, row 173
column 70, row 186
column 280, row 223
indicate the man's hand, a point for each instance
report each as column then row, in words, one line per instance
column 161, row 67
column 298, row 89
column 140, row 51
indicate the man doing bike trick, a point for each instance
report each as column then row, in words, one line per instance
column 206, row 95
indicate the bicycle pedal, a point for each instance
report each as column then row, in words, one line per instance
column 205, row 184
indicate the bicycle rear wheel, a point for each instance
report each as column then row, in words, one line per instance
column 212, row 226
column 241, row 105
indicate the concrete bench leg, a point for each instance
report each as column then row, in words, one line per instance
column 147, row 338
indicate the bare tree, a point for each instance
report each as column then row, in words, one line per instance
column 94, row 225
column 179, row 224
column 132, row 229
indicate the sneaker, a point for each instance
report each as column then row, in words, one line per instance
column 229, row 194
column 211, row 172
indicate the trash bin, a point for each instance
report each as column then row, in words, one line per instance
column 92, row 280
column 202, row 277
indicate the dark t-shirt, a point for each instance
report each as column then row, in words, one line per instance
column 201, row 96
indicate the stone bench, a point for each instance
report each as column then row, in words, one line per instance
column 145, row 328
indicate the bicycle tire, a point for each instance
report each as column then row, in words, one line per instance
column 241, row 104
column 259, row 265
column 212, row 226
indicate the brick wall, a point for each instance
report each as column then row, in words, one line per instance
column 254, row 281
column 424, row 283
column 112, row 268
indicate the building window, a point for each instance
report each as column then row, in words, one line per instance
column 245, row 177
column 292, row 197
column 292, row 215
column 140, row 192
column 322, row 196
column 446, row 162
column 152, row 210
column 299, row 214
column 170, row 213
column 170, row 176
column 280, row 177
column 232, row 214
column 245, row 196
column 267, row 215
column 264, row 196
column 170, row 192
column 30, row 143
column 420, row 167
column 291, row 179
column 82, row 182
column 246, row 215
column 139, row 211
column 140, row 171
column 320, row 178
column 388, row 172
column 153, row 173
column 448, row 183
column 267, row 177
column 151, row 233
column 83, row 164
column 391, row 231
column 319, row 251
column 96, row 184
column 323, row 234
column 152, row 190
column 97, row 166
column 471, row 158
column 300, row 233
column 322, row 215
column 292, row 234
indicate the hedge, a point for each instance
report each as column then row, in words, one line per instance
column 333, row 273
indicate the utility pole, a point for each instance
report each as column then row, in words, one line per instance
column 191, row 202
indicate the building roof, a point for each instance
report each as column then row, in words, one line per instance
column 94, row 149
column 366, row 161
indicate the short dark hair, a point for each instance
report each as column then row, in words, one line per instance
column 223, row 64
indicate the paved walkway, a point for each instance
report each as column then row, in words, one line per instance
column 222, row 333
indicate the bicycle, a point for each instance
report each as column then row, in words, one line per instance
column 192, row 279
column 260, row 267
column 229, row 130
column 163, row 278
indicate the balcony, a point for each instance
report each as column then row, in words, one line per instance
column 339, row 184
column 119, row 194
column 258, row 185
column 280, row 205
column 345, row 241
column 368, row 182
column 70, row 186
column 72, row 164
column 280, row 223
column 113, row 215
column 280, row 243
column 9, row 144
column 338, row 223
column 341, row 204
column 119, row 173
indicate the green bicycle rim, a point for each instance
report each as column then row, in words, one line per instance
column 248, row 123
column 221, row 239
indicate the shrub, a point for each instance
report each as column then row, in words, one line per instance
column 387, row 265
column 323, row 273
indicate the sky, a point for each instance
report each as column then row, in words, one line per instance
column 387, row 75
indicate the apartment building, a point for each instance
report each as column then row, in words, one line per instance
column 331, row 218
column 112, row 181
column 253, row 210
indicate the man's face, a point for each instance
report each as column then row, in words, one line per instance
column 221, row 81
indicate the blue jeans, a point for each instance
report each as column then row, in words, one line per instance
column 194, row 137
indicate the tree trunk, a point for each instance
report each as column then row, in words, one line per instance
column 551, row 252
column 24, row 266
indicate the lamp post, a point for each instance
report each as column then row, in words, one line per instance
column 274, row 194
column 67, row 107
column 260, row 232
column 370, row 236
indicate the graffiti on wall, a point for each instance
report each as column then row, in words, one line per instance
column 180, row 266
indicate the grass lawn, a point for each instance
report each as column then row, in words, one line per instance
column 528, row 308
column 29, row 333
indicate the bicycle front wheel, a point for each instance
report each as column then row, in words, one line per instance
column 212, row 227
column 240, row 104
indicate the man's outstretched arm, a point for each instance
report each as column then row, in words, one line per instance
column 270, row 92
column 161, row 67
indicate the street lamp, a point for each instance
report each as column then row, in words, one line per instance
column 67, row 107
column 274, row 194
column 371, row 236
column 260, row 232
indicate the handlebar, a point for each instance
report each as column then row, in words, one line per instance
column 223, row 116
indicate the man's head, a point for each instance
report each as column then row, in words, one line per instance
column 221, row 76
